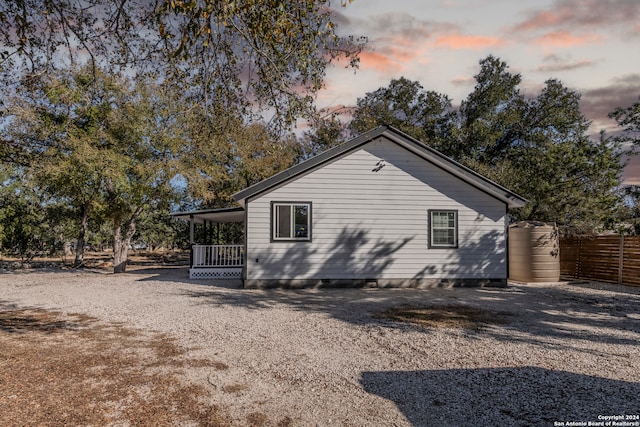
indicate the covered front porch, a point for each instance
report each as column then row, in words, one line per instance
column 216, row 242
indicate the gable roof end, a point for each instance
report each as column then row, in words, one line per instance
column 427, row 153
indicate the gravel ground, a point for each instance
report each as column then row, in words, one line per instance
column 566, row 353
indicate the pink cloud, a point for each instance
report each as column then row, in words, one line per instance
column 400, row 39
column 377, row 61
column 589, row 15
column 459, row 41
column 542, row 19
column 566, row 39
column 392, row 53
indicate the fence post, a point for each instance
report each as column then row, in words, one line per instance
column 579, row 260
column 621, row 259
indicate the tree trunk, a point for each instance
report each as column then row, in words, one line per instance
column 122, row 242
column 120, row 251
column 84, row 227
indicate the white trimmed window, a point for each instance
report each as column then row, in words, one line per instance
column 443, row 229
column 290, row 221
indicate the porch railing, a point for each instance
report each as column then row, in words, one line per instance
column 217, row 256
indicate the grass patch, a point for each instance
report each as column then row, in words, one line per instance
column 58, row 369
column 446, row 316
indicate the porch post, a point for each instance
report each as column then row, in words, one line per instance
column 191, row 231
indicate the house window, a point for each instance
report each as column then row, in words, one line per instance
column 290, row 221
column 443, row 229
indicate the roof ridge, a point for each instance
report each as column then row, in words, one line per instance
column 425, row 151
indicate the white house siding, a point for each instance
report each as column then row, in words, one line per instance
column 374, row 224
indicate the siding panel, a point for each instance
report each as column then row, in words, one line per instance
column 369, row 224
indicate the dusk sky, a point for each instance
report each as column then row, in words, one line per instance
column 592, row 46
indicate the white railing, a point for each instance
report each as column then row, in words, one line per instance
column 218, row 256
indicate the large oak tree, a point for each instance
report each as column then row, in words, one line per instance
column 538, row 146
column 90, row 137
column 101, row 144
column 407, row 106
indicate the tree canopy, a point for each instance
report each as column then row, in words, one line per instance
column 628, row 119
column 98, row 143
column 248, row 57
column 407, row 106
column 110, row 104
column 538, row 146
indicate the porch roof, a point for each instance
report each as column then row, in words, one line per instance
column 212, row 215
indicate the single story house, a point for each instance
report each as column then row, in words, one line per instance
column 382, row 210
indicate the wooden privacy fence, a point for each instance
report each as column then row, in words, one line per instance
column 607, row 258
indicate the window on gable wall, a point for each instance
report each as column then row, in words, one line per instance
column 290, row 221
column 443, row 229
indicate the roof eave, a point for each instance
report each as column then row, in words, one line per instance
column 457, row 169
column 429, row 154
column 235, row 214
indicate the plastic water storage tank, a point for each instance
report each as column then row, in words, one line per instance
column 534, row 252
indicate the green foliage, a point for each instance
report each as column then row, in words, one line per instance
column 101, row 144
column 326, row 132
column 19, row 216
column 492, row 116
column 285, row 48
column 108, row 147
column 29, row 223
column 257, row 155
column 538, row 146
column 629, row 217
column 157, row 230
column 628, row 118
column 405, row 105
column 233, row 58
column 628, row 137
column 568, row 178
column 215, row 167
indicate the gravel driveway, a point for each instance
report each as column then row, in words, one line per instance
column 567, row 352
